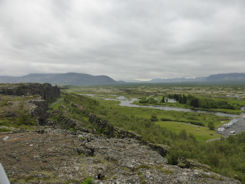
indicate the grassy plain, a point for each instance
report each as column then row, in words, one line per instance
column 116, row 114
column 199, row 132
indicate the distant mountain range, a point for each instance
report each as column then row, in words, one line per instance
column 81, row 79
column 224, row 78
column 173, row 80
column 61, row 79
column 227, row 77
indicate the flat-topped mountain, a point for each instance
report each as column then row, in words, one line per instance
column 79, row 79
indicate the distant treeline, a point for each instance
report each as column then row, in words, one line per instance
column 150, row 100
column 192, row 101
column 203, row 102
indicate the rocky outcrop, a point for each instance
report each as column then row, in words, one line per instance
column 102, row 127
column 63, row 122
column 107, row 129
column 40, row 111
column 52, row 156
column 46, row 91
column 41, row 95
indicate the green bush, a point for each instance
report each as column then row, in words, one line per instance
column 154, row 117
column 88, row 181
column 143, row 100
column 24, row 119
column 203, row 102
column 211, row 126
column 150, row 100
column 197, row 123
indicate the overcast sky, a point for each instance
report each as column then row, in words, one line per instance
column 125, row 39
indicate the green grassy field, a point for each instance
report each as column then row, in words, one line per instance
column 184, row 117
column 139, row 119
column 199, row 132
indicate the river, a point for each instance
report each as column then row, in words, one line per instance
column 130, row 103
column 235, row 128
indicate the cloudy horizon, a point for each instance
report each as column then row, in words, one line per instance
column 126, row 40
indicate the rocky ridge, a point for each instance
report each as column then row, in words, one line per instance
column 59, row 156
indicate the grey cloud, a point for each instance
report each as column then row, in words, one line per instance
column 138, row 39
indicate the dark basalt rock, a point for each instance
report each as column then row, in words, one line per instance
column 46, row 91
column 40, row 110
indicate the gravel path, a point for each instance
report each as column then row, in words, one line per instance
column 56, row 102
column 236, row 128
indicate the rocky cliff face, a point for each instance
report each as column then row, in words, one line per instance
column 39, row 110
column 46, row 91
column 111, row 131
column 103, row 127
column 38, row 106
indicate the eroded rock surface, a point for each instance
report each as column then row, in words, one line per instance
column 58, row 156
